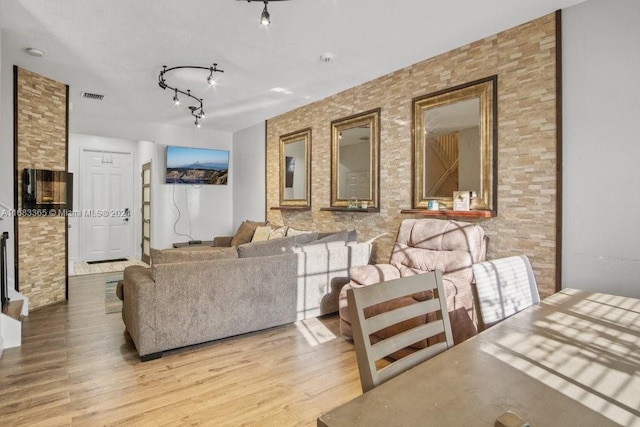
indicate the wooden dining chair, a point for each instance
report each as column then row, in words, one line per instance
column 363, row 300
column 505, row 286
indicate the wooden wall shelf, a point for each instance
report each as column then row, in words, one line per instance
column 345, row 209
column 290, row 208
column 451, row 213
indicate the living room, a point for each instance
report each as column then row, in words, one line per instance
column 598, row 65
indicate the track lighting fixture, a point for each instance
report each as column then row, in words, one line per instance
column 196, row 110
column 265, row 18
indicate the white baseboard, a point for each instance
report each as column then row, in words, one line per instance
column 72, row 263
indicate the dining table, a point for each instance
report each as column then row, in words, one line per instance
column 571, row 360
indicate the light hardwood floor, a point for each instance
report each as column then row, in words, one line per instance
column 77, row 366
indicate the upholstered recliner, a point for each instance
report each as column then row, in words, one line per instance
column 424, row 245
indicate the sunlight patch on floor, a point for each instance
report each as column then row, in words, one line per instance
column 314, row 331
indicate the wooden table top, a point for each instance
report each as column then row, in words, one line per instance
column 572, row 360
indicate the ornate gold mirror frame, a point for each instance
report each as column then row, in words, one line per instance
column 455, row 145
column 295, row 169
column 355, row 148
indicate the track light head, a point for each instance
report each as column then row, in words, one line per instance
column 176, row 100
column 265, row 18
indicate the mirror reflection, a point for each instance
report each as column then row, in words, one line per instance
column 354, row 165
column 295, row 171
column 354, row 178
column 453, row 145
column 452, row 148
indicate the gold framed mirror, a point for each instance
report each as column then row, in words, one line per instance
column 295, row 169
column 455, row 145
column 355, row 148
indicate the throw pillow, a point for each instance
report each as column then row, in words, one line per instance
column 278, row 233
column 294, row 232
column 245, row 232
column 262, row 234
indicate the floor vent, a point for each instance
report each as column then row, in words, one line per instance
column 90, row 95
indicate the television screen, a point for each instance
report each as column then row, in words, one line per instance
column 197, row 166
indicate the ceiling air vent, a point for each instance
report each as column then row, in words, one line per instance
column 90, row 95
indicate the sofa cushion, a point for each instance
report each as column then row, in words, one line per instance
column 318, row 245
column 196, row 253
column 370, row 274
column 274, row 246
column 346, row 235
column 245, row 232
column 439, row 235
column 304, row 238
column 454, row 264
column 267, row 248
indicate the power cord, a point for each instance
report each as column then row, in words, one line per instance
column 175, row 224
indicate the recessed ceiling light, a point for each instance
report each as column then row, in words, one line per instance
column 39, row 53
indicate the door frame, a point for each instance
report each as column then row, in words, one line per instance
column 147, row 166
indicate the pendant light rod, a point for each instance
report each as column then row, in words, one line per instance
column 265, row 17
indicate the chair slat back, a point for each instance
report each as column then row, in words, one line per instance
column 505, row 286
column 368, row 353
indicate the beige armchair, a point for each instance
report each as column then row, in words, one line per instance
column 424, row 245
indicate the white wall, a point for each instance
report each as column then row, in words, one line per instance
column 179, row 212
column 3, row 222
column 248, row 176
column 6, row 153
column 601, row 151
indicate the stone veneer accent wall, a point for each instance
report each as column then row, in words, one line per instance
column 524, row 59
column 41, row 142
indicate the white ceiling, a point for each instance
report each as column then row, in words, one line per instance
column 118, row 47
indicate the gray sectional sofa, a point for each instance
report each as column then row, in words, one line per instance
column 194, row 295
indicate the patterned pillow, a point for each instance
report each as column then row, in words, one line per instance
column 262, row 234
column 278, row 233
column 245, row 232
column 294, row 232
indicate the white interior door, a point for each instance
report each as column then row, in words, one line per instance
column 106, row 200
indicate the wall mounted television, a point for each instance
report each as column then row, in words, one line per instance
column 187, row 165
